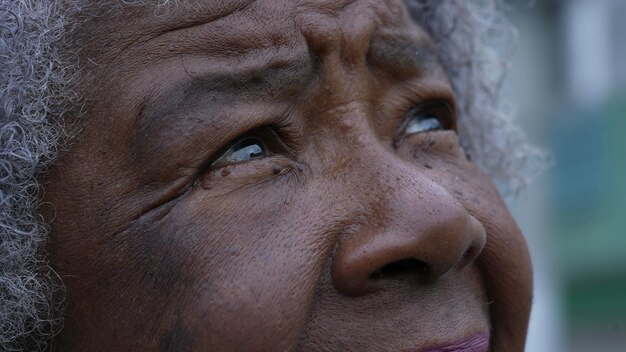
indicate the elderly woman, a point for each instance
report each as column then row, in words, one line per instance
column 269, row 175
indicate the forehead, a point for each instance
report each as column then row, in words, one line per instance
column 237, row 27
column 141, row 53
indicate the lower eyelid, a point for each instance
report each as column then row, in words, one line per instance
column 246, row 172
column 439, row 141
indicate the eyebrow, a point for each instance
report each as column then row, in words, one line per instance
column 400, row 56
column 277, row 78
column 281, row 76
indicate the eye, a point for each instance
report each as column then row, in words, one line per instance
column 245, row 149
column 422, row 123
column 434, row 117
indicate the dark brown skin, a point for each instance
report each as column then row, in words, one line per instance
column 347, row 235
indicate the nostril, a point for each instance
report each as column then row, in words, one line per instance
column 417, row 255
column 407, row 266
column 470, row 255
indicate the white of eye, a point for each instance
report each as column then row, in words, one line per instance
column 244, row 150
column 422, row 123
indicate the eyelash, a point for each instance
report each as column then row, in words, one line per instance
column 278, row 138
column 440, row 110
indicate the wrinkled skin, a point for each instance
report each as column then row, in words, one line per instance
column 346, row 235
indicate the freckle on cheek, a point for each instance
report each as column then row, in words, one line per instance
column 206, row 184
column 234, row 250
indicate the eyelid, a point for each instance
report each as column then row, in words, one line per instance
column 267, row 135
column 442, row 109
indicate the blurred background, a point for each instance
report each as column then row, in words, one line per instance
column 568, row 81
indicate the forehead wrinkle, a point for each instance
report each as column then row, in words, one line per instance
column 201, row 15
column 139, row 23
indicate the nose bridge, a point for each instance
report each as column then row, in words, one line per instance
column 415, row 228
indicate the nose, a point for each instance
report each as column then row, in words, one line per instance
column 421, row 232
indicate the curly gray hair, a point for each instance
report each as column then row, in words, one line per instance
column 35, row 93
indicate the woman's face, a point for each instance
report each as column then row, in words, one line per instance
column 276, row 176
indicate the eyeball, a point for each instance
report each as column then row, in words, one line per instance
column 428, row 117
column 422, row 123
column 246, row 149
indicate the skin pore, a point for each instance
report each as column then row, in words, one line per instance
column 276, row 175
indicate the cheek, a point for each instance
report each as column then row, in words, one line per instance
column 253, row 263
